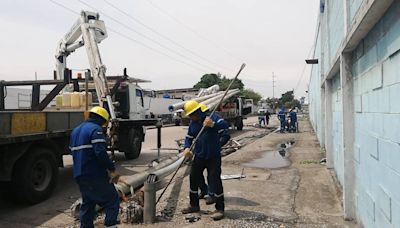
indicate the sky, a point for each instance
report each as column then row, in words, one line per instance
column 171, row 43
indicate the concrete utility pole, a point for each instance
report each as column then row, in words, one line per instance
column 273, row 85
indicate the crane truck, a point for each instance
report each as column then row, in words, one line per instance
column 34, row 140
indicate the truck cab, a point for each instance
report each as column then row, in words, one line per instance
column 130, row 102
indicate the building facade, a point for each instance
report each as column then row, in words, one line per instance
column 353, row 106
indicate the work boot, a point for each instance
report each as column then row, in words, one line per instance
column 190, row 209
column 202, row 195
column 217, row 215
column 209, row 200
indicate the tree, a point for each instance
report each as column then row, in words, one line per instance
column 208, row 80
column 251, row 94
column 287, row 100
column 237, row 84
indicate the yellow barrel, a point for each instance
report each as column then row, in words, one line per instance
column 75, row 100
column 59, row 101
column 83, row 98
column 66, row 99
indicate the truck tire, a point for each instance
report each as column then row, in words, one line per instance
column 239, row 124
column 134, row 144
column 35, row 175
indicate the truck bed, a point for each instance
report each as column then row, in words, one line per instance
column 26, row 126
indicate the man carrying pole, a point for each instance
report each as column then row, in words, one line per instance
column 207, row 155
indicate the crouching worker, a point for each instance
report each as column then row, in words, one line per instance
column 207, row 155
column 93, row 170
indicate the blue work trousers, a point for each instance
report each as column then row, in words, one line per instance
column 283, row 126
column 215, row 190
column 98, row 192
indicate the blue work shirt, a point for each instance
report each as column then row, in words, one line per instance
column 208, row 144
column 281, row 115
column 89, row 151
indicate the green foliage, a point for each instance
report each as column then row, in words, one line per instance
column 237, row 84
column 251, row 94
column 287, row 100
column 208, row 80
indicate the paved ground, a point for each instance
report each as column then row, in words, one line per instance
column 54, row 212
column 303, row 194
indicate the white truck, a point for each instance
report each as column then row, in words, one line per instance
column 33, row 140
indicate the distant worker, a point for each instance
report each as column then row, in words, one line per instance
column 293, row 121
column 267, row 116
column 207, row 155
column 262, row 118
column 282, row 119
column 93, row 170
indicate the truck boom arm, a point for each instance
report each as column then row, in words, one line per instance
column 93, row 31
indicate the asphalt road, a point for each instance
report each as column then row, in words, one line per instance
column 54, row 211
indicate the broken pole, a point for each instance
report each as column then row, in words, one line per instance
column 149, row 211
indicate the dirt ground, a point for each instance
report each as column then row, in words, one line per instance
column 304, row 194
column 301, row 194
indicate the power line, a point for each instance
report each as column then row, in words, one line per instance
column 131, row 39
column 65, row 7
column 155, row 50
column 302, row 72
column 146, row 37
column 162, row 35
column 193, row 31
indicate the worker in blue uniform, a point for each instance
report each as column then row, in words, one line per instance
column 282, row 119
column 205, row 193
column 207, row 155
column 293, row 120
column 93, row 170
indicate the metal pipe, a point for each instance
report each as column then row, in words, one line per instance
column 218, row 98
column 180, row 105
column 213, row 104
column 137, row 180
column 149, row 210
column 167, row 170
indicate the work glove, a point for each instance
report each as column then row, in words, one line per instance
column 208, row 122
column 114, row 177
column 187, row 153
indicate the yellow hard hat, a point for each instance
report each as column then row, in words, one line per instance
column 101, row 112
column 203, row 107
column 191, row 106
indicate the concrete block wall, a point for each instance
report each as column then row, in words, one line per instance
column 314, row 99
column 375, row 73
column 377, row 120
column 354, row 5
column 335, row 26
column 337, row 129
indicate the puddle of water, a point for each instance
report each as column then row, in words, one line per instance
column 270, row 160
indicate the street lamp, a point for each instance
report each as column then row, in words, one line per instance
column 312, row 61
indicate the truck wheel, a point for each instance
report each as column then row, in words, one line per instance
column 134, row 145
column 35, row 176
column 239, row 124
